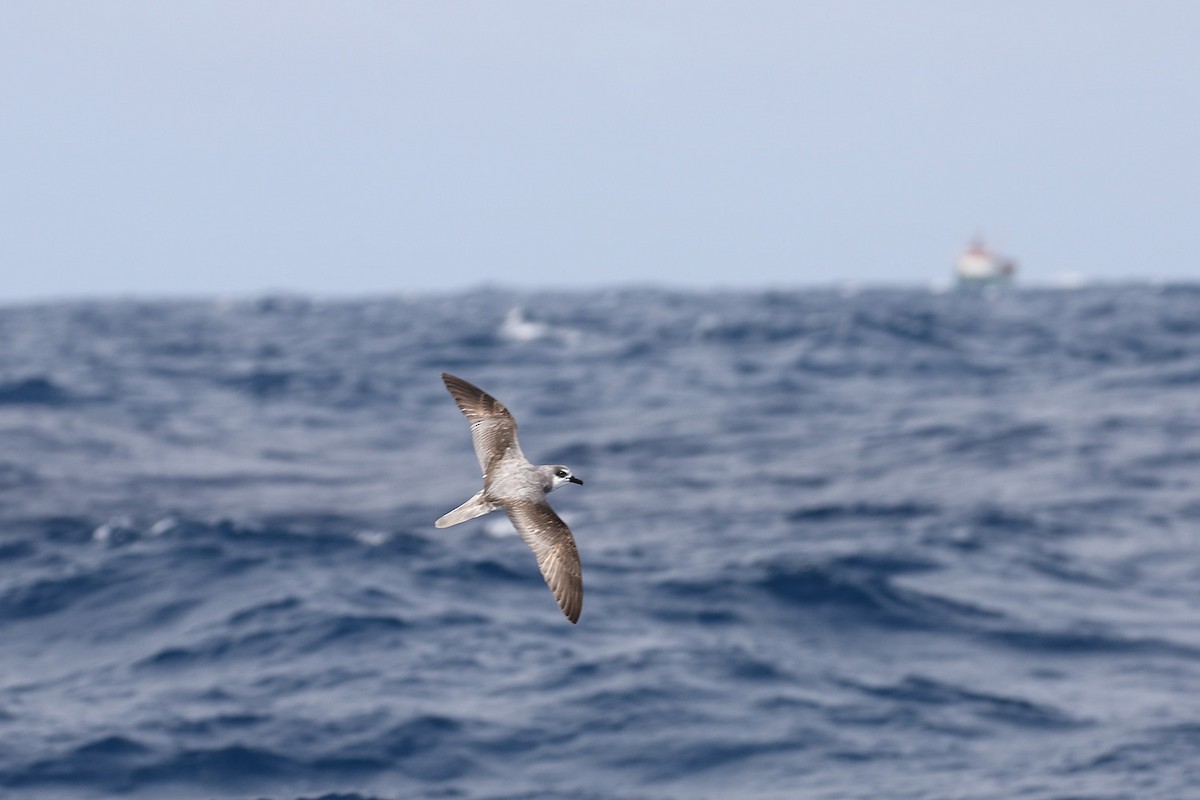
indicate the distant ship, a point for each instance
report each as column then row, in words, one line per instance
column 979, row 266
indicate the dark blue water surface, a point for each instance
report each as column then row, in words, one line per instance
column 884, row 545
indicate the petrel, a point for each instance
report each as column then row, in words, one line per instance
column 518, row 487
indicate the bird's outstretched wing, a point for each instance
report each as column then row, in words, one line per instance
column 557, row 557
column 493, row 429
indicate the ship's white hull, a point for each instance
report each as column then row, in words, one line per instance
column 978, row 267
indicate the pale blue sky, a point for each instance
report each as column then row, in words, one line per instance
column 183, row 147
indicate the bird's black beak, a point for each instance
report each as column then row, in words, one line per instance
column 573, row 479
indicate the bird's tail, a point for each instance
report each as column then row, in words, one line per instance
column 475, row 507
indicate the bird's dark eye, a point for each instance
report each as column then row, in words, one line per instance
column 562, row 473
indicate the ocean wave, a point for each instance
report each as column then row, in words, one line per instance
column 921, row 691
column 34, row 391
column 830, row 541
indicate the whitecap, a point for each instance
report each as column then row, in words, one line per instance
column 371, row 538
column 517, row 327
column 114, row 531
column 164, row 525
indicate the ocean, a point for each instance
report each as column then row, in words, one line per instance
column 887, row 543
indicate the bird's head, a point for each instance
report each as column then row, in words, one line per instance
column 557, row 475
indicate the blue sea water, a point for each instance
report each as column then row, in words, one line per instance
column 889, row 544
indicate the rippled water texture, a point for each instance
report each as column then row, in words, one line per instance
column 892, row 544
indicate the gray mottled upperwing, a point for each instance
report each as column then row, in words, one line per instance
column 557, row 557
column 493, row 429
